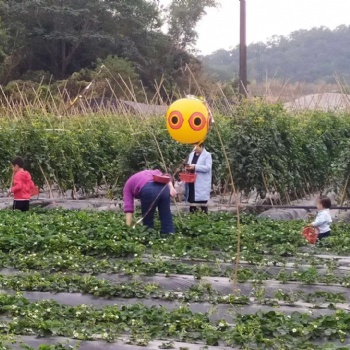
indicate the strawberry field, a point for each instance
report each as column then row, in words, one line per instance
column 83, row 280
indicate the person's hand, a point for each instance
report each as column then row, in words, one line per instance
column 173, row 192
column 190, row 167
column 128, row 219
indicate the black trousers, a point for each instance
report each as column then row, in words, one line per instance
column 21, row 205
column 191, row 200
column 204, row 208
column 323, row 235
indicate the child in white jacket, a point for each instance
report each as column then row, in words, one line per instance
column 323, row 219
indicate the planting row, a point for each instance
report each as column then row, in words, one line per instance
column 94, row 258
column 76, row 262
column 267, row 149
column 271, row 330
column 105, row 234
column 79, row 263
column 200, row 292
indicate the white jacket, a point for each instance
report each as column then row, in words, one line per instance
column 323, row 221
column 202, row 186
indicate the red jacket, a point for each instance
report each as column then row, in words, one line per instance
column 22, row 185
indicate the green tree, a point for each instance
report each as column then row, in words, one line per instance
column 183, row 18
column 3, row 41
column 62, row 38
column 55, row 31
column 118, row 72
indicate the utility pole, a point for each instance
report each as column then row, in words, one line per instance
column 243, row 51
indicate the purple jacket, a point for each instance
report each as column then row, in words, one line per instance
column 134, row 185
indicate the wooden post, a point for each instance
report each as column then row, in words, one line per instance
column 243, row 52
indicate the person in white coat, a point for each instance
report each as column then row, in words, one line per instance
column 199, row 162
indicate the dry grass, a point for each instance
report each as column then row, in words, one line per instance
column 43, row 101
column 283, row 91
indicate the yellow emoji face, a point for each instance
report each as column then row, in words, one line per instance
column 187, row 120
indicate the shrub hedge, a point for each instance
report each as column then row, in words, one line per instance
column 267, row 148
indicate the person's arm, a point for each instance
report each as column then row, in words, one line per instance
column 189, row 158
column 32, row 184
column 128, row 199
column 17, row 185
column 205, row 168
column 128, row 218
column 319, row 221
column 173, row 192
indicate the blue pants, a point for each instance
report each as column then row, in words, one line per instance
column 154, row 195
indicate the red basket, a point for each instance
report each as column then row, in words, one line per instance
column 162, row 179
column 311, row 234
column 187, row 177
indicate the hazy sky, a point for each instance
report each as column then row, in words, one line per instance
column 265, row 18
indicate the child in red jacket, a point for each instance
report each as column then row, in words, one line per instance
column 23, row 186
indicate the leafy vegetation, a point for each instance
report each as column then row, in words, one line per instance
column 266, row 330
column 49, row 51
column 269, row 149
column 54, row 248
column 63, row 45
column 59, row 283
column 105, row 234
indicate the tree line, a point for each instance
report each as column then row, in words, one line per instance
column 64, row 44
column 312, row 56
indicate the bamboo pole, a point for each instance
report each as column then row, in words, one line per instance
column 265, row 184
column 131, row 92
column 46, row 181
column 345, row 189
column 237, row 260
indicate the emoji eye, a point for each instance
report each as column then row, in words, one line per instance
column 197, row 121
column 175, row 120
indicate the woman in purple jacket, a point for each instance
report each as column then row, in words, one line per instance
column 152, row 195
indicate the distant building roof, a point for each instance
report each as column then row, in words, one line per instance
column 325, row 102
column 146, row 109
column 125, row 106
